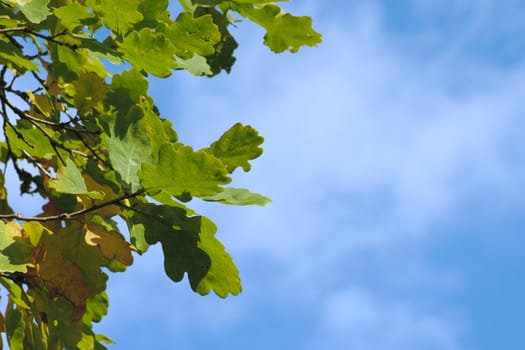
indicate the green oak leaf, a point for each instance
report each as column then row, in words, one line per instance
column 207, row 2
column 237, row 146
column 15, row 252
column 13, row 57
column 69, row 180
column 238, row 196
column 182, row 170
column 127, row 89
column 283, row 30
column 90, row 89
column 223, row 276
column 4, row 205
column 16, row 292
column 34, row 141
column 96, row 308
column 197, row 65
column 149, row 51
column 35, row 10
column 222, row 58
column 15, row 327
column 128, row 153
column 154, row 10
column 64, row 332
column 117, row 15
column 72, row 14
column 189, row 246
column 193, row 36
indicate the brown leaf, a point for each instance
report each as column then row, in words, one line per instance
column 93, row 186
column 63, row 277
column 111, row 243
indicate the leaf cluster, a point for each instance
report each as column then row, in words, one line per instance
column 81, row 131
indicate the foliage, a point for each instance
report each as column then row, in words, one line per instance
column 81, row 131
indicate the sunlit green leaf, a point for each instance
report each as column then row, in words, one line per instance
column 13, row 57
column 72, row 14
column 15, row 252
column 193, row 36
column 182, row 170
column 283, row 30
column 197, row 65
column 238, row 196
column 34, row 10
column 82, row 132
column 16, row 292
column 15, row 327
column 118, row 15
column 70, row 180
column 237, row 146
column 149, row 51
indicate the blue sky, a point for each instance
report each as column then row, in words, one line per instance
column 394, row 156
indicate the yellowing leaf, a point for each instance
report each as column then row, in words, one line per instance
column 34, row 231
column 106, row 193
column 63, row 277
column 111, row 243
column 90, row 89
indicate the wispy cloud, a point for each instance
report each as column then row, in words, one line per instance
column 368, row 148
column 358, row 319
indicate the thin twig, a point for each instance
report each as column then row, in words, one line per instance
column 29, row 30
column 54, row 125
column 15, row 29
column 36, row 163
column 74, row 214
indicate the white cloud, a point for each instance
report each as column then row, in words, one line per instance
column 367, row 148
column 357, row 319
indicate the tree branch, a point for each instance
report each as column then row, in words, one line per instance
column 29, row 30
column 74, row 214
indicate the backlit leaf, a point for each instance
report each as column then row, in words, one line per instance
column 62, row 277
column 118, row 15
column 237, row 146
column 16, row 292
column 70, row 180
column 15, row 327
column 197, row 65
column 13, row 57
column 238, row 196
column 34, row 10
column 72, row 14
column 82, row 132
column 15, row 252
column 283, row 30
column 193, row 36
column 223, row 276
column 181, row 170
column 90, row 90
column 149, row 51
column 112, row 244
